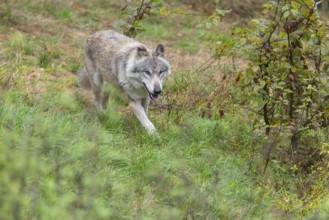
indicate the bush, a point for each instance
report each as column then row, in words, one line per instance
column 284, row 83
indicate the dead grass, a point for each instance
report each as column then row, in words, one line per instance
column 52, row 35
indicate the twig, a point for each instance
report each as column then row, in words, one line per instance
column 269, row 150
column 206, row 62
column 141, row 10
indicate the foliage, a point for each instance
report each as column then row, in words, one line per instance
column 136, row 13
column 57, row 160
column 60, row 159
column 213, row 20
column 287, row 58
column 283, row 82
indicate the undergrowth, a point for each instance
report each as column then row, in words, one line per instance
column 60, row 161
column 59, row 158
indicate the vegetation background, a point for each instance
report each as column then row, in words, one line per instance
column 216, row 157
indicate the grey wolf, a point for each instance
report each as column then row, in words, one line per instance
column 139, row 72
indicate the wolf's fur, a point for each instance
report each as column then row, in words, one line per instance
column 138, row 71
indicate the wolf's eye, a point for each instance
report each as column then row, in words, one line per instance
column 147, row 73
column 163, row 71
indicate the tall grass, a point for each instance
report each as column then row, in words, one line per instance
column 59, row 158
column 61, row 161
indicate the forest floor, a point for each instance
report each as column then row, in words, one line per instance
column 59, row 158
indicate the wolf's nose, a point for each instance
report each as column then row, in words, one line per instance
column 157, row 91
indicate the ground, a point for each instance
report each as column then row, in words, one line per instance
column 61, row 159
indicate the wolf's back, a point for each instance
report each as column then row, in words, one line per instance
column 107, row 43
column 107, row 54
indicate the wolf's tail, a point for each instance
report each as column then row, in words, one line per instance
column 83, row 79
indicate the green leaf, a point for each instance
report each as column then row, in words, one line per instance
column 162, row 10
column 243, row 41
column 286, row 14
column 179, row 11
column 136, row 24
column 295, row 13
column 267, row 8
column 295, row 5
column 309, row 3
column 313, row 17
column 285, row 8
column 222, row 12
column 288, row 91
column 283, row 76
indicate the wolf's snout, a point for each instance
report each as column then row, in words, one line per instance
column 157, row 91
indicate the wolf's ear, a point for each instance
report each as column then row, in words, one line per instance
column 159, row 51
column 142, row 51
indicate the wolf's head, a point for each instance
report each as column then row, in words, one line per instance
column 151, row 69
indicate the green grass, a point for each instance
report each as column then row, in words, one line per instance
column 75, row 164
column 59, row 158
column 156, row 31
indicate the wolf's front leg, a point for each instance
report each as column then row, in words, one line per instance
column 139, row 112
column 145, row 103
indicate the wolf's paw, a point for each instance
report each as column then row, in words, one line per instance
column 151, row 130
column 154, row 133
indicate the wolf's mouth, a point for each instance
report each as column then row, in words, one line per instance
column 152, row 96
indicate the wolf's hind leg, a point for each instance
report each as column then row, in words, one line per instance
column 96, row 81
column 97, row 84
column 83, row 79
column 105, row 99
